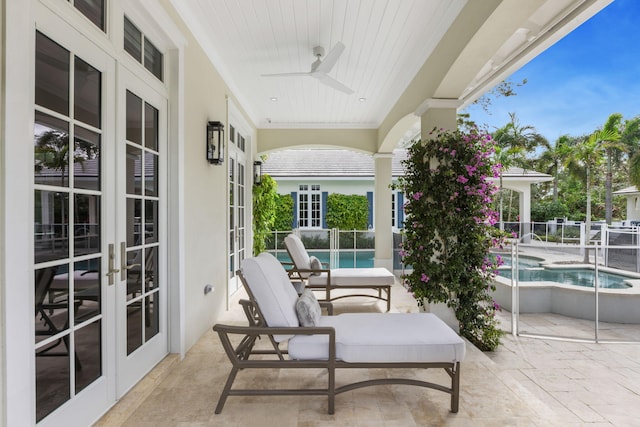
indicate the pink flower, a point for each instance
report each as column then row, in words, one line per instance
column 461, row 179
column 417, row 195
column 424, row 278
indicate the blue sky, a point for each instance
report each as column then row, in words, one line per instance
column 575, row 85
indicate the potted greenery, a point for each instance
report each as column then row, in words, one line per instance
column 449, row 229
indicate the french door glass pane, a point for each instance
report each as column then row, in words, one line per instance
column 150, row 173
column 151, row 221
column 87, row 85
column 52, row 75
column 51, row 217
column 150, row 127
column 134, row 118
column 51, row 150
column 134, row 170
column 89, row 353
column 134, row 223
column 86, row 159
column 86, row 226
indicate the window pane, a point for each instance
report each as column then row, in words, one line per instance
column 86, row 286
column 86, row 226
column 151, row 174
column 132, row 40
column 87, row 85
column 51, row 150
column 134, row 118
column 86, row 158
column 152, row 59
column 134, row 170
column 51, row 219
column 134, row 222
column 52, row 75
column 151, row 221
column 152, row 322
column 150, row 127
column 92, row 9
column 89, row 352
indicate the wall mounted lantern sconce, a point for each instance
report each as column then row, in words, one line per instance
column 215, row 143
column 257, row 172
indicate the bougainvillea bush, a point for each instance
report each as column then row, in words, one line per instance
column 450, row 229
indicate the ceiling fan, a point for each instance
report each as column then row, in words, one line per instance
column 321, row 68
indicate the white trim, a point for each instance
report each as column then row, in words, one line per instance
column 17, row 311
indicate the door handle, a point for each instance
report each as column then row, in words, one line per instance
column 112, row 263
column 123, row 259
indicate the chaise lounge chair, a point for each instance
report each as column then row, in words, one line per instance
column 350, row 340
column 316, row 277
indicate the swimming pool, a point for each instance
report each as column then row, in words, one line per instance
column 346, row 259
column 570, row 276
column 568, row 290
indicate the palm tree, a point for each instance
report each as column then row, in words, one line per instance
column 590, row 155
column 612, row 149
column 630, row 137
column 513, row 142
column 554, row 157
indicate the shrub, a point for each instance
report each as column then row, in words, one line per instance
column 449, row 229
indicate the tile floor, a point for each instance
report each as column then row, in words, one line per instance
column 527, row 382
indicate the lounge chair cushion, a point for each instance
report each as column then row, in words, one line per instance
column 315, row 264
column 272, row 289
column 378, row 337
column 365, row 277
column 308, row 309
column 298, row 253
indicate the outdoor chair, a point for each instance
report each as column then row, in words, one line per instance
column 300, row 337
column 310, row 270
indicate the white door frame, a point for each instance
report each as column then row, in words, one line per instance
column 20, row 21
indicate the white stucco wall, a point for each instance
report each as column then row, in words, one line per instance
column 205, row 193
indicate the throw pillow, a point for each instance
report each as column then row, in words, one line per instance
column 315, row 264
column 308, row 309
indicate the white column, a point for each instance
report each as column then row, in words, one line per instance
column 382, row 211
column 438, row 113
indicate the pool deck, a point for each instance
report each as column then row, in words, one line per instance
column 526, row 382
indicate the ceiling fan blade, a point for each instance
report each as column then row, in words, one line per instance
column 286, row 74
column 331, row 82
column 332, row 57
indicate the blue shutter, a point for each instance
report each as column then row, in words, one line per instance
column 294, row 196
column 325, row 196
column 400, row 209
column 370, row 200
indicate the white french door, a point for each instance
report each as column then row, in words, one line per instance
column 100, row 142
column 141, row 296
column 239, row 191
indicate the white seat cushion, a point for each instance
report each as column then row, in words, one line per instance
column 298, row 253
column 270, row 285
column 365, row 277
column 377, row 337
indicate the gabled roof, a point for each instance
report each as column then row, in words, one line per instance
column 325, row 163
column 350, row 164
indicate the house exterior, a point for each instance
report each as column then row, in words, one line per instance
column 123, row 220
column 309, row 176
column 633, row 204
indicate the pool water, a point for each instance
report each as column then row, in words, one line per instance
column 363, row 259
column 523, row 261
column 574, row 276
